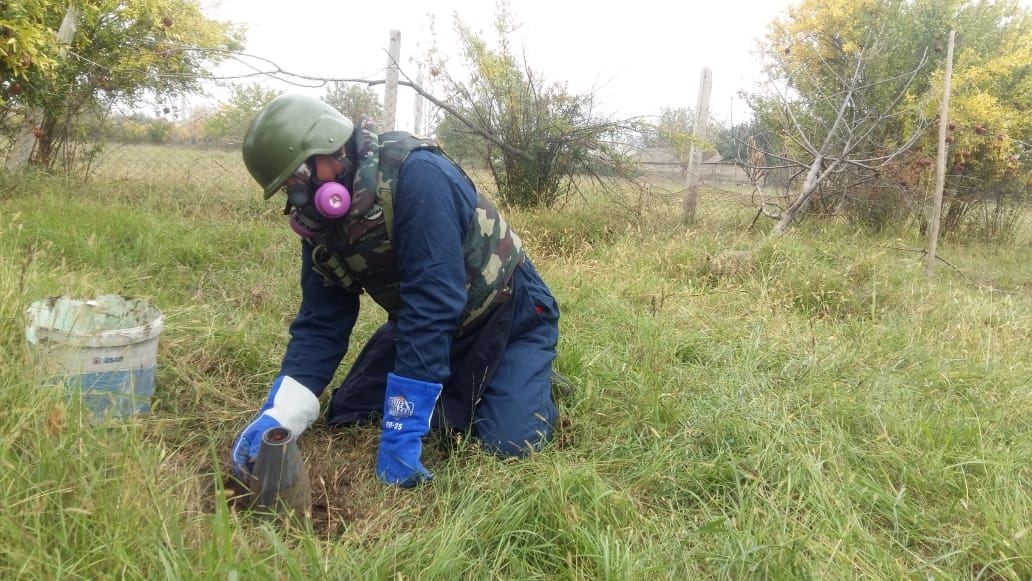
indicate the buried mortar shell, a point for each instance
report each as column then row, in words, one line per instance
column 281, row 480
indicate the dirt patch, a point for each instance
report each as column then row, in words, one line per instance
column 341, row 464
column 341, row 469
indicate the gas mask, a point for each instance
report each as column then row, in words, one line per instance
column 312, row 204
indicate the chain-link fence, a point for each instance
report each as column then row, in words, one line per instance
column 202, row 170
column 178, row 167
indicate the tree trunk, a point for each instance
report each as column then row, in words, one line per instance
column 30, row 139
column 800, row 203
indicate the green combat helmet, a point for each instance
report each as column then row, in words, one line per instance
column 286, row 132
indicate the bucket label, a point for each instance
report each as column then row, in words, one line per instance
column 73, row 359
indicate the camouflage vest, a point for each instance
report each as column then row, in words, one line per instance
column 358, row 255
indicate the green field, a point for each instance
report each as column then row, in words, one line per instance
column 822, row 409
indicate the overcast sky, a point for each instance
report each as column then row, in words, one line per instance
column 638, row 57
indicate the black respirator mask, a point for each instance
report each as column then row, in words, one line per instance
column 312, row 204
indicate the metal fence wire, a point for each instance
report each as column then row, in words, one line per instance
column 220, row 169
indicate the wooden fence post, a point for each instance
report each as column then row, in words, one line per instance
column 691, row 192
column 390, row 90
column 940, row 163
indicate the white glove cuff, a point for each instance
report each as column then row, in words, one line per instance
column 294, row 406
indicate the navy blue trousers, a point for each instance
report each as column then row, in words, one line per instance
column 500, row 385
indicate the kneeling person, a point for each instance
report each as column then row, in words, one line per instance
column 471, row 327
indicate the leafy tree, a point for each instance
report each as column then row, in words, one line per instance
column 538, row 140
column 460, row 141
column 354, row 101
column 675, row 127
column 989, row 167
column 853, row 67
column 730, row 141
column 26, row 42
column 674, row 130
column 136, row 128
column 26, row 52
column 229, row 123
column 841, row 111
column 124, row 51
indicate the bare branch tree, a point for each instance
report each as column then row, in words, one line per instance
column 846, row 137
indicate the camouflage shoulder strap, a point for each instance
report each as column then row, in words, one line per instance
column 387, row 204
column 395, row 147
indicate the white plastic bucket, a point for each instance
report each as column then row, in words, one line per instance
column 104, row 349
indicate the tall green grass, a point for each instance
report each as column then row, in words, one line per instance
column 820, row 408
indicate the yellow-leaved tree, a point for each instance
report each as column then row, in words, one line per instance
column 853, row 90
column 26, row 40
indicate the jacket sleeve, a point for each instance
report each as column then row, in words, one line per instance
column 320, row 333
column 433, row 204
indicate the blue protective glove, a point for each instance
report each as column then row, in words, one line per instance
column 290, row 405
column 407, row 408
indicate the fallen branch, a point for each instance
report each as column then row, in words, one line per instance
column 924, row 252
